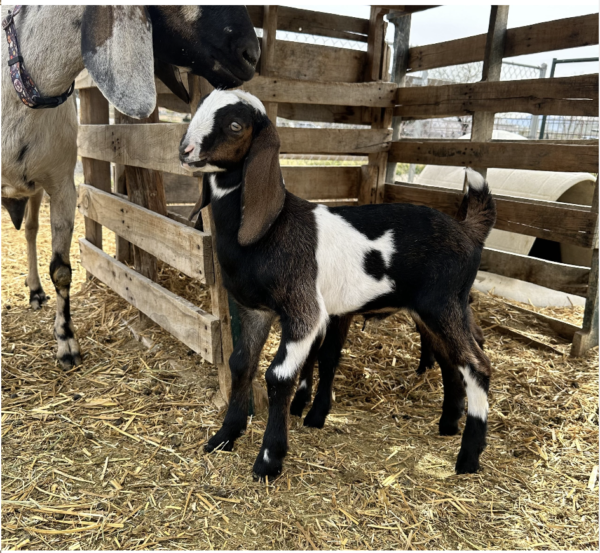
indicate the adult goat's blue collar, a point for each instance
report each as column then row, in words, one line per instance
column 22, row 81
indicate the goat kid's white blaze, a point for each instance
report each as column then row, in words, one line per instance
column 341, row 250
column 203, row 122
column 478, row 402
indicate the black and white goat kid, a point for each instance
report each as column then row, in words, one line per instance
column 315, row 267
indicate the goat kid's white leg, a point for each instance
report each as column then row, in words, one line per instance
column 281, row 379
column 473, row 440
column 62, row 216
column 37, row 296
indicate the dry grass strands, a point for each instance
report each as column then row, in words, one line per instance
column 109, row 455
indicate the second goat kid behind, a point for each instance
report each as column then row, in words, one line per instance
column 315, row 267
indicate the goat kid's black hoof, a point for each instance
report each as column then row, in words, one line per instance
column 271, row 468
column 218, row 445
column 466, row 464
column 314, row 420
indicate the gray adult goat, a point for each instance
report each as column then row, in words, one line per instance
column 123, row 47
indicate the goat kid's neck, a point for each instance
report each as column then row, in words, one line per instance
column 50, row 43
column 225, row 192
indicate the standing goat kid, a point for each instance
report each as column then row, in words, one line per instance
column 123, row 48
column 315, row 267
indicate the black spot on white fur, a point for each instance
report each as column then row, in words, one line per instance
column 374, row 265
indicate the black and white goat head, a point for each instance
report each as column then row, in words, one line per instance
column 316, row 267
column 123, row 47
column 216, row 42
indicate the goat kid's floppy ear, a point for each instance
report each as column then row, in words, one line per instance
column 263, row 192
column 116, row 45
column 169, row 74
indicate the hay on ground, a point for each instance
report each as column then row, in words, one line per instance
column 109, row 455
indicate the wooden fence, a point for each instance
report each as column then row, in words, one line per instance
column 312, row 82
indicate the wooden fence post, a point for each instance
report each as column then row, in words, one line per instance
column 372, row 184
column 402, row 23
column 145, row 187
column 483, row 121
column 587, row 337
column 267, row 57
column 94, row 111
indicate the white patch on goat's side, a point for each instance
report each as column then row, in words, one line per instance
column 341, row 250
column 297, row 352
column 191, row 13
column 302, row 385
column 474, row 179
column 216, row 192
column 266, row 456
column 477, row 398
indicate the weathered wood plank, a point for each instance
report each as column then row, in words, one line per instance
column 276, row 89
column 348, row 141
column 483, row 121
column 566, row 223
column 184, row 248
column 570, row 32
column 562, row 328
column 313, row 62
column 197, row 329
column 94, row 111
column 587, row 337
column 310, row 183
column 351, row 115
column 403, row 9
column 181, row 189
column 322, row 183
column 571, row 279
column 156, row 146
column 557, row 96
column 315, row 23
column 536, row 156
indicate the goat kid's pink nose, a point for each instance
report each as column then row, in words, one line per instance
column 188, row 149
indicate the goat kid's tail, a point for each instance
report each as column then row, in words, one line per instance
column 477, row 212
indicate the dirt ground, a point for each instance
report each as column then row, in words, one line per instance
column 109, row 455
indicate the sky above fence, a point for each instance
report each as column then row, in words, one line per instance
column 449, row 22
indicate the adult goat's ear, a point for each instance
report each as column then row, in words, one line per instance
column 116, row 45
column 263, row 192
column 202, row 202
column 169, row 74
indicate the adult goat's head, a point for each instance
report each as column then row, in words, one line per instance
column 123, row 47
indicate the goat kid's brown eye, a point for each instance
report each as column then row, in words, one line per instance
column 236, row 127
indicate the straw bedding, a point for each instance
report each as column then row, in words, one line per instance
column 109, row 455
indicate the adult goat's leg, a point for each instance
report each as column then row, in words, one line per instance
column 329, row 358
column 37, row 297
column 62, row 217
column 297, row 339
column 243, row 364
